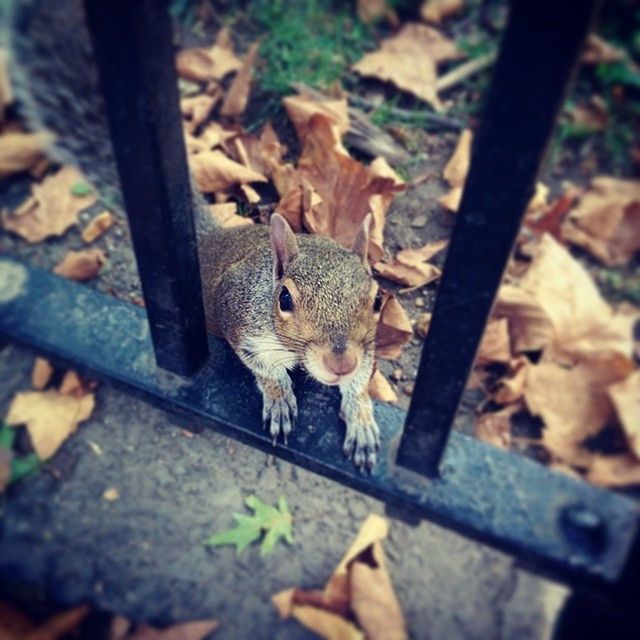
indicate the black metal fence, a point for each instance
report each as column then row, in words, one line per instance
column 560, row 526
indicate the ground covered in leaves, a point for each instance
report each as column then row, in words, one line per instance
column 318, row 110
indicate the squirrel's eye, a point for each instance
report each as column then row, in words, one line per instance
column 377, row 302
column 286, row 302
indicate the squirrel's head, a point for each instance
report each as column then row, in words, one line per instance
column 326, row 304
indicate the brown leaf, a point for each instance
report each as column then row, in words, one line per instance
column 394, row 329
column 410, row 268
column 573, row 402
column 380, row 389
column 495, row 344
column 395, row 61
column 52, row 209
column 550, row 220
column 456, row 170
column 620, row 470
column 452, row 199
column 81, row 265
column 511, row 387
column 41, row 373
column 214, row 171
column 73, row 385
column 49, row 416
column 373, row 599
column 101, row 223
column 435, row 10
column 372, row 10
column 421, row 326
column 598, row 50
column 302, row 108
column 235, row 102
column 212, row 135
column 339, row 191
column 203, row 64
column 227, row 215
column 625, row 396
column 21, row 151
column 495, row 428
column 197, row 109
column 582, row 323
column 606, row 221
column 14, row 624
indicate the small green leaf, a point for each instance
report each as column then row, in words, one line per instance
column 7, row 435
column 81, row 189
column 276, row 522
column 22, row 467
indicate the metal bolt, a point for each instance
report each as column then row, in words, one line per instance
column 584, row 528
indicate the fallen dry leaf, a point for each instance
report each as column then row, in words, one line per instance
column 52, row 209
column 435, row 10
column 49, row 416
column 495, row 343
column 620, row 470
column 214, row 171
column 495, row 428
column 302, row 108
column 395, row 61
column 197, row 109
column 380, row 389
column 101, row 223
column 41, row 373
column 597, row 50
column 331, row 194
column 421, row 326
column 371, row 10
column 235, row 102
column 227, row 215
column 359, row 588
column 550, row 219
column 591, row 115
column 606, row 221
column 410, row 267
column 456, row 170
column 203, row 64
column 81, row 265
column 212, row 135
column 573, row 402
column 394, row 329
column 74, row 385
column 625, row 396
column 511, row 387
column 21, row 151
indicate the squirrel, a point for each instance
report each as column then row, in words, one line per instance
column 281, row 300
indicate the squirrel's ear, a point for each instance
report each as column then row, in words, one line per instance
column 284, row 243
column 360, row 245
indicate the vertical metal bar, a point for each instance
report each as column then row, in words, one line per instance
column 538, row 53
column 132, row 41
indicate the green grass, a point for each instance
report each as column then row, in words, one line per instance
column 312, row 41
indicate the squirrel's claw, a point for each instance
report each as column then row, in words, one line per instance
column 361, row 443
column 279, row 414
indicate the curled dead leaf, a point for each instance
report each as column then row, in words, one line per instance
column 436, row 10
column 235, row 102
column 81, row 265
column 207, row 64
column 214, row 171
column 495, row 428
column 410, row 267
column 456, row 170
column 597, row 50
column 380, row 389
column 52, row 209
column 606, row 221
column 49, row 416
column 511, row 388
column 395, row 61
column 621, row 470
column 21, row 151
column 197, row 109
column 495, row 343
column 394, row 329
column 101, row 223
column 625, row 396
column 227, row 215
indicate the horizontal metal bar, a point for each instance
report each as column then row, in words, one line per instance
column 538, row 52
column 563, row 527
column 132, row 41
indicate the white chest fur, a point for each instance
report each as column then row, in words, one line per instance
column 265, row 354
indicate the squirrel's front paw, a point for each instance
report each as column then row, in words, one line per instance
column 279, row 411
column 362, row 440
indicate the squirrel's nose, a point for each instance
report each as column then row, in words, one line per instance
column 341, row 364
